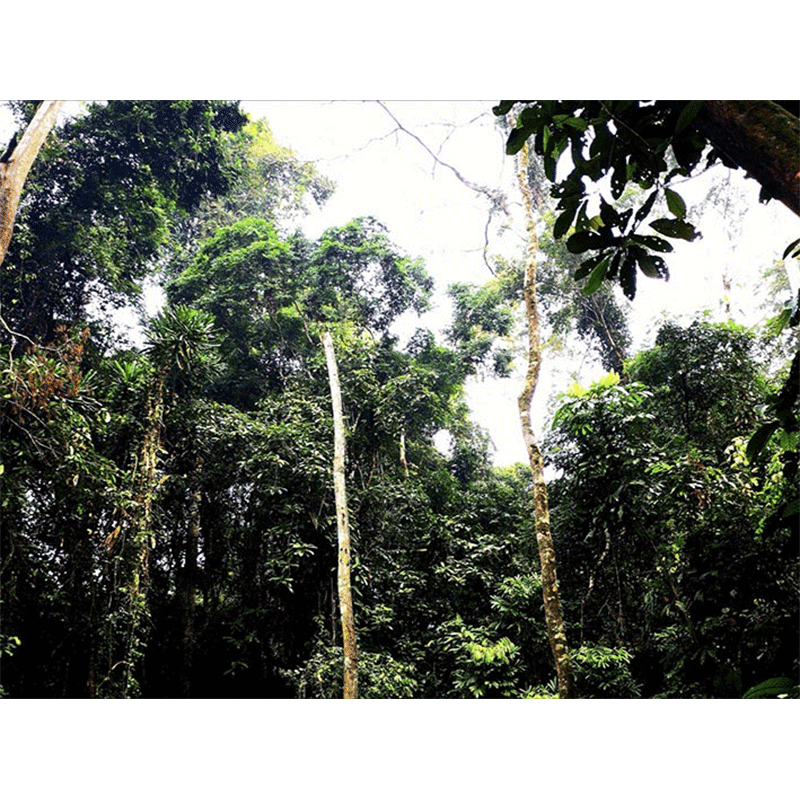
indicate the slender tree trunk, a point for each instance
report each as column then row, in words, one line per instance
column 14, row 169
column 403, row 460
column 349, row 645
column 544, row 541
column 190, row 577
column 137, row 546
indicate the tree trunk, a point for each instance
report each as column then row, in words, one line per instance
column 190, row 577
column 136, row 549
column 343, row 526
column 14, row 169
column 762, row 138
column 544, row 541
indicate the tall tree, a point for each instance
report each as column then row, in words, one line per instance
column 349, row 645
column 552, row 603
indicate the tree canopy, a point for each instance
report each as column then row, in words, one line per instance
column 169, row 519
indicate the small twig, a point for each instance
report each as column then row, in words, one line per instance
column 15, row 334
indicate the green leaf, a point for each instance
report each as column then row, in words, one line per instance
column 790, row 248
column 770, row 688
column 775, row 325
column 516, row 140
column 564, row 220
column 653, row 242
column 596, row 278
column 759, row 439
column 503, row 107
column 582, row 241
column 627, row 276
column 652, row 266
column 644, row 210
column 582, row 220
column 608, row 214
column 619, row 177
column 587, row 266
column 675, row 229
column 575, row 122
column 675, row 203
column 613, row 266
column 688, row 115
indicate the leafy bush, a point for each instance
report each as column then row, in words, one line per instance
column 379, row 676
column 603, row 672
column 482, row 666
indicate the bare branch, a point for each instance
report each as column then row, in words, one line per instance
column 496, row 198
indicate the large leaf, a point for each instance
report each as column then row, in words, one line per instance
column 627, row 276
column 653, row 242
column 564, row 220
column 608, row 213
column 675, row 229
column 675, row 203
column 582, row 241
column 644, row 210
column 619, row 177
column 587, row 266
column 596, row 278
column 688, row 115
column 759, row 439
column 516, row 140
column 652, row 266
column 772, row 687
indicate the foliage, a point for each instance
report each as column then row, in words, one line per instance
column 627, row 141
column 672, row 497
column 617, row 143
column 98, row 200
column 169, row 528
column 597, row 316
column 482, row 667
column 774, row 687
column 604, row 672
column 481, row 316
column 379, row 676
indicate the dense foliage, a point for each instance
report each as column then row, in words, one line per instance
column 168, row 520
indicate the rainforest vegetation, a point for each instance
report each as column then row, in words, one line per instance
column 169, row 514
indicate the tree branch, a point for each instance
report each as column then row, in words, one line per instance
column 762, row 138
column 496, row 198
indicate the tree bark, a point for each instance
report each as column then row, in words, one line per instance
column 544, row 541
column 137, row 546
column 190, row 577
column 349, row 645
column 762, row 138
column 15, row 169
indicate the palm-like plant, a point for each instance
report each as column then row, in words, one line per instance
column 182, row 344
